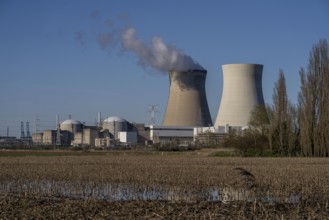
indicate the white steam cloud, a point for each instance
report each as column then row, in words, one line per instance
column 157, row 54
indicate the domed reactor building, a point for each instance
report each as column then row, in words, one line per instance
column 71, row 125
column 242, row 91
column 115, row 124
column 187, row 102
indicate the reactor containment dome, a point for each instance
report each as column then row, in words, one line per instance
column 71, row 125
column 115, row 124
column 187, row 102
column 242, row 91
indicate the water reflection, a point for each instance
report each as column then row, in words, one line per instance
column 125, row 192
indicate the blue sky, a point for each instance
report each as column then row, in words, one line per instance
column 52, row 64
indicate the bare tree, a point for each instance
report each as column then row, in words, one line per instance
column 259, row 127
column 284, row 128
column 293, row 131
column 314, row 102
column 320, row 65
column 280, row 124
column 259, row 120
column 305, row 119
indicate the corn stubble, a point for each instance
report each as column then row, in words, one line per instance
column 164, row 186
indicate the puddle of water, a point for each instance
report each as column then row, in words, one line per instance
column 121, row 192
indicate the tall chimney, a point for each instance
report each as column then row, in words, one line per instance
column 57, row 121
column 99, row 119
column 187, row 102
column 242, row 91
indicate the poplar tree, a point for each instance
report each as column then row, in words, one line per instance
column 293, row 132
column 280, row 123
column 313, row 103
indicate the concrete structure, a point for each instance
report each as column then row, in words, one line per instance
column 49, row 137
column 71, row 125
column 242, row 91
column 115, row 124
column 143, row 132
column 187, row 102
column 86, row 137
column 71, row 132
column 171, row 134
column 208, row 136
column 65, row 138
column 90, row 133
column 127, row 137
column 8, row 141
column 103, row 142
column 37, row 138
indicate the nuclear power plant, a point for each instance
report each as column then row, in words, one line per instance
column 187, row 102
column 187, row 117
column 187, row 114
column 242, row 91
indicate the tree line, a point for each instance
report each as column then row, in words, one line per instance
column 288, row 129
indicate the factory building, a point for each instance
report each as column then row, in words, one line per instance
column 143, row 132
column 114, row 131
column 187, row 104
column 63, row 138
column 37, row 138
column 72, row 126
column 52, row 137
column 104, row 139
column 209, row 135
column 114, row 125
column 8, row 141
column 49, row 137
column 187, row 117
column 127, row 137
column 171, row 134
column 87, row 136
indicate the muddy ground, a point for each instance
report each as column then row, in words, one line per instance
column 13, row 207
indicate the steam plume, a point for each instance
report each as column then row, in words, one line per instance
column 157, row 54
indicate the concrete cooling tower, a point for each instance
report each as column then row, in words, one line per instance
column 242, row 91
column 187, row 102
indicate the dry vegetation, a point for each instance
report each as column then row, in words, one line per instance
column 163, row 186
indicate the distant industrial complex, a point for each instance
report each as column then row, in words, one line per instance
column 187, row 119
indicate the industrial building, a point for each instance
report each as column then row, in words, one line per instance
column 49, row 137
column 171, row 134
column 187, row 117
column 87, row 136
column 25, row 139
column 7, row 140
column 115, row 125
column 113, row 131
column 187, row 104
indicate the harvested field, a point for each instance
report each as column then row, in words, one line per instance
column 64, row 208
column 157, row 186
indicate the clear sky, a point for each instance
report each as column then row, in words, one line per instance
column 53, row 61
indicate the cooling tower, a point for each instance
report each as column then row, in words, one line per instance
column 242, row 91
column 187, row 102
